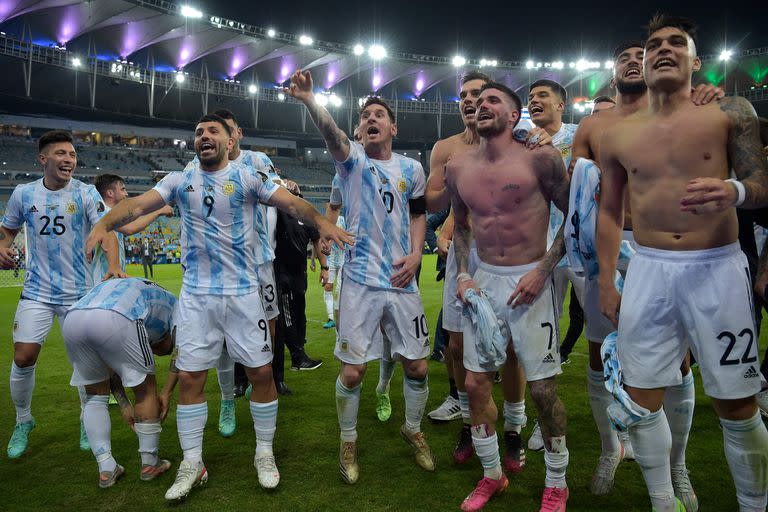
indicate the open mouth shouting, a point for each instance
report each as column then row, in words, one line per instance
column 633, row 72
column 535, row 110
column 207, row 148
column 664, row 62
column 469, row 112
column 484, row 115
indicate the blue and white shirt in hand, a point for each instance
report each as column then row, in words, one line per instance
column 217, row 224
column 563, row 142
column 336, row 259
column 58, row 222
column 375, row 195
column 135, row 299
column 100, row 265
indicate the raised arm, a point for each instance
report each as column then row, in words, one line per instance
column 336, row 140
column 140, row 224
column 610, row 221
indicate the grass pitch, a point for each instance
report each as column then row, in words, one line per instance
column 55, row 475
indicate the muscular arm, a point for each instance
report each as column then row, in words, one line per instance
column 462, row 231
column 297, row 207
column 745, row 151
column 7, row 236
column 580, row 147
column 556, row 187
column 131, row 209
column 140, row 224
column 437, row 195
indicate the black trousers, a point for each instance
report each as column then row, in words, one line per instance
column 147, row 262
column 291, row 328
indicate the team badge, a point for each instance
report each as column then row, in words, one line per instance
column 344, row 346
column 565, row 152
column 263, row 176
column 71, row 208
column 101, row 207
column 402, row 186
column 228, row 188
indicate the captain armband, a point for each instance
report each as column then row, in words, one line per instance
column 417, row 205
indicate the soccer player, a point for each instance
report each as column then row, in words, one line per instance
column 602, row 103
column 117, row 327
column 58, row 212
column 383, row 197
column 217, row 201
column 672, row 159
column 508, row 190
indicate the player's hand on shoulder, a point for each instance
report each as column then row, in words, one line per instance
column 708, row 195
column 528, row 288
column 7, row 257
column 537, row 137
column 706, row 93
column 301, row 86
column 406, row 269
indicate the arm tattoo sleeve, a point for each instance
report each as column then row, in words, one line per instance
column 745, row 151
column 335, row 139
column 556, row 189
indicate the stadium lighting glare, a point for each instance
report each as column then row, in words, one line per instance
column 305, row 40
column 190, row 12
column 529, row 64
column 335, row 100
column 76, row 62
column 280, row 96
column 180, row 77
column 360, row 102
column 725, row 55
column 322, row 100
column 547, row 65
column 458, row 61
column 377, row 52
column 358, row 49
column 271, row 33
column 558, row 64
column 253, row 89
column 582, row 65
column 608, row 64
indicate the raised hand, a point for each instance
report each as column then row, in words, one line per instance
column 301, row 86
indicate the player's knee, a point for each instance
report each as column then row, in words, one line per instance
column 260, row 376
column 477, row 386
column 25, row 356
column 352, row 375
column 543, row 393
column 417, row 370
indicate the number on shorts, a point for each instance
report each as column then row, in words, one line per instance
column 388, row 199
column 268, row 292
column 263, row 327
column 420, row 326
column 58, row 227
column 551, row 333
column 745, row 358
column 208, row 201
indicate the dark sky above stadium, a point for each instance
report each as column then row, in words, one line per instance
column 513, row 30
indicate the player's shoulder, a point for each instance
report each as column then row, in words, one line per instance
column 737, row 108
column 543, row 157
column 21, row 187
column 406, row 161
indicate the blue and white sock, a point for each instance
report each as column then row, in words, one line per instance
column 225, row 373
column 347, row 406
column 464, row 407
column 746, row 450
column 599, row 400
column 328, row 299
column 386, row 369
column 22, row 386
column 487, row 448
column 98, row 426
column 190, row 422
column 415, row 393
column 514, row 416
column 652, row 441
column 148, row 433
column 679, row 402
column 265, row 424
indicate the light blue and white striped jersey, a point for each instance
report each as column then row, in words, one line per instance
column 563, row 142
column 336, row 259
column 335, row 198
column 217, row 241
column 375, row 195
column 58, row 222
column 135, row 299
column 99, row 264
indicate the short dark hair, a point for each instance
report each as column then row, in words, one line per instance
column 626, row 45
column 506, row 90
column 53, row 137
column 213, row 118
column 553, row 86
column 604, row 99
column 376, row 100
column 104, row 182
column 687, row 25
column 474, row 75
column 226, row 114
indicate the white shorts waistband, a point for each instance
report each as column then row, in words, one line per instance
column 724, row 252
column 503, row 270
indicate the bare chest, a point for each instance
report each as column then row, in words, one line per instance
column 502, row 187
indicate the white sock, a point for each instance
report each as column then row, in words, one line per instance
column 83, row 398
column 265, row 425
column 328, row 299
column 556, row 460
column 22, row 385
column 599, row 400
column 347, row 405
column 487, row 449
column 190, row 422
column 99, row 429
column 386, row 369
column 464, row 406
column 678, row 406
column 514, row 416
column 415, row 393
column 148, row 433
column 652, row 442
column 746, row 450
column 225, row 372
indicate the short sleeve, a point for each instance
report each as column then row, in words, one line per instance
column 259, row 185
column 355, row 160
column 168, row 186
column 335, row 199
column 419, row 181
column 95, row 208
column 14, row 211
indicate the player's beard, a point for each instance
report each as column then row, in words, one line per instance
column 626, row 87
column 216, row 160
column 494, row 129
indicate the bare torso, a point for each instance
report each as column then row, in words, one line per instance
column 661, row 154
column 442, row 153
column 509, row 210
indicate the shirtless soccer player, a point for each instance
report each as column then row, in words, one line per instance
column 631, row 96
column 673, row 159
column 219, row 293
column 507, row 190
column 383, row 197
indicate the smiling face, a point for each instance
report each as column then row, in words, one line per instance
column 496, row 113
column 212, row 144
column 670, row 59
column 545, row 106
column 376, row 128
column 628, row 71
column 468, row 96
column 59, row 160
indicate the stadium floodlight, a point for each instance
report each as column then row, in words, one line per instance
column 458, row 61
column 377, row 52
column 271, row 33
column 558, row 64
column 322, row 100
column 547, row 65
column 335, row 100
column 726, row 55
column 358, row 49
column 280, row 96
column 483, row 62
column 529, row 64
column 608, row 64
column 76, row 62
column 253, row 89
column 538, row 65
column 180, row 77
column 360, row 102
column 582, row 65
column 305, row 40
column 190, row 12
column 494, row 63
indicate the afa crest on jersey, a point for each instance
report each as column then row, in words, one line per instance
column 402, row 185
column 71, row 208
column 228, row 188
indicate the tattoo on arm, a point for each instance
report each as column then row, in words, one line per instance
column 335, row 139
column 2, row 235
column 556, row 187
column 116, row 386
column 745, row 151
column 121, row 221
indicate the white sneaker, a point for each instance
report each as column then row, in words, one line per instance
column 683, row 488
column 536, row 442
column 448, row 410
column 629, row 452
column 602, row 480
column 762, row 402
column 266, row 468
column 188, row 476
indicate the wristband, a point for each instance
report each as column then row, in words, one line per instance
column 741, row 192
column 463, row 277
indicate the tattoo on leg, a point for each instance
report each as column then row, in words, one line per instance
column 551, row 410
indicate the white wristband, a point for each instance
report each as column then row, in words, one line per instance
column 741, row 192
column 463, row 277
